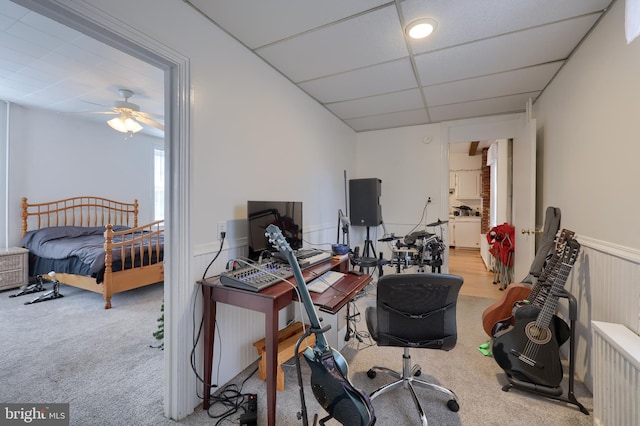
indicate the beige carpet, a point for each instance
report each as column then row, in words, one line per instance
column 71, row 350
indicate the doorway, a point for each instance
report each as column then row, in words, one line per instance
column 521, row 128
column 177, row 381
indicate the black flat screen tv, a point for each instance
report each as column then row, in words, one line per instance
column 286, row 215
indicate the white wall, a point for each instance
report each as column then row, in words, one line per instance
column 55, row 156
column 588, row 150
column 411, row 171
column 4, row 239
column 589, row 136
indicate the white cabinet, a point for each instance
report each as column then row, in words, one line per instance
column 468, row 184
column 467, row 232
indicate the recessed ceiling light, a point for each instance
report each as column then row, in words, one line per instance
column 421, row 28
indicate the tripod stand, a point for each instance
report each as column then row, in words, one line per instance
column 368, row 258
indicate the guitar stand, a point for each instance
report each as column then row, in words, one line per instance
column 302, row 414
column 556, row 392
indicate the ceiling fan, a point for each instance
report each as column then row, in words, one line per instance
column 129, row 115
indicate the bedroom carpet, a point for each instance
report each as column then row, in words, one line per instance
column 100, row 361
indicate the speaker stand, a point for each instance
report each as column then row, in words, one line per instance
column 368, row 244
column 368, row 259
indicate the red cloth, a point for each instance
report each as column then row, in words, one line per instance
column 502, row 239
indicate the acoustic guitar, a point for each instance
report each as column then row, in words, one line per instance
column 499, row 315
column 529, row 350
column 329, row 370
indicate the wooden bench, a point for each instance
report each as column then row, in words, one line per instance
column 287, row 339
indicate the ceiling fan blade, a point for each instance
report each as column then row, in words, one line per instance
column 93, row 112
column 149, row 122
column 149, row 115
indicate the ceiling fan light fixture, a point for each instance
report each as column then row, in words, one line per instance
column 421, row 28
column 125, row 124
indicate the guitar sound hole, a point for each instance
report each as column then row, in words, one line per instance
column 540, row 336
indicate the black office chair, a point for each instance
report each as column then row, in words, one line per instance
column 414, row 311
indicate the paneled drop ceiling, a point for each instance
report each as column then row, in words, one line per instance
column 484, row 58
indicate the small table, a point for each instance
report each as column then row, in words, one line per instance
column 269, row 301
column 14, row 267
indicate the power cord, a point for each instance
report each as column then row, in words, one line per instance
column 196, row 335
column 232, row 398
column 362, row 337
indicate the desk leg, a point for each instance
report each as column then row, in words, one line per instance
column 209, row 313
column 271, row 333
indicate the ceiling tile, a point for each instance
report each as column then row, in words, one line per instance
column 538, row 45
column 245, row 19
column 465, row 21
column 384, row 78
column 385, row 121
column 359, row 42
column 524, row 80
column 12, row 10
column 375, row 105
column 502, row 105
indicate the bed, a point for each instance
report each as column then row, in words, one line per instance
column 93, row 243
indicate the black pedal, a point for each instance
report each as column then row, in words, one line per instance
column 250, row 418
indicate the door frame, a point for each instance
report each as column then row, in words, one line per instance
column 508, row 126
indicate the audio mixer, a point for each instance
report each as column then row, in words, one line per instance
column 255, row 277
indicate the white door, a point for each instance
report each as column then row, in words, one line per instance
column 524, row 197
column 522, row 129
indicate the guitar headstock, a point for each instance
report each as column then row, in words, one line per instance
column 274, row 234
column 565, row 236
column 570, row 253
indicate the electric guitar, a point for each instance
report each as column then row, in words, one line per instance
column 499, row 315
column 529, row 350
column 329, row 370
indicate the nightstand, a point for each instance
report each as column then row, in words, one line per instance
column 14, row 267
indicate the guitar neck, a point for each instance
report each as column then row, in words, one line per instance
column 540, row 290
column 305, row 296
column 550, row 305
column 566, row 264
column 538, row 294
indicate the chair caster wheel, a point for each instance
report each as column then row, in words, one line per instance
column 453, row 405
column 371, row 373
column 417, row 373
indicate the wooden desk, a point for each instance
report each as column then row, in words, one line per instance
column 269, row 301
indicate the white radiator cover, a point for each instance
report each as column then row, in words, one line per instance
column 616, row 375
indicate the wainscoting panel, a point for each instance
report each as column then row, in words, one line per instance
column 606, row 284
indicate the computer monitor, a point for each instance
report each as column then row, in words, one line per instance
column 286, row 215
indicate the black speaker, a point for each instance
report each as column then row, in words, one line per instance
column 364, row 202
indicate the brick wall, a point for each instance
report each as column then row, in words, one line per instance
column 486, row 193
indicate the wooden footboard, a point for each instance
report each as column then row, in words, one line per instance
column 143, row 244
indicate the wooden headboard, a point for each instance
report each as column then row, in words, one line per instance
column 78, row 211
